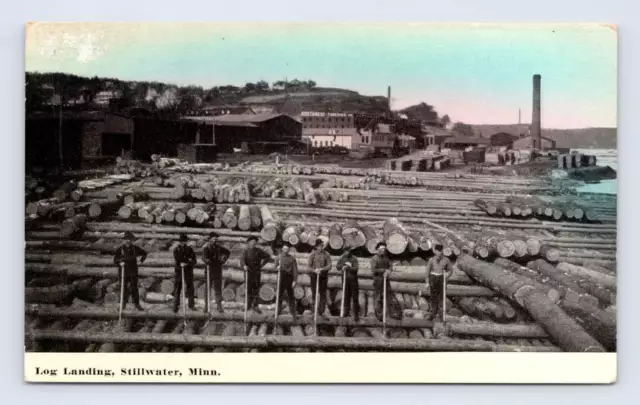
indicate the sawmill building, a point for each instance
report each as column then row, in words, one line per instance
column 258, row 132
column 88, row 138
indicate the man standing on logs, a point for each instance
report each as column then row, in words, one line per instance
column 287, row 265
column 252, row 261
column 320, row 263
column 381, row 268
column 214, row 256
column 348, row 264
column 439, row 268
column 127, row 256
column 184, row 256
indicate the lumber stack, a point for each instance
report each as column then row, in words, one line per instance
column 527, row 207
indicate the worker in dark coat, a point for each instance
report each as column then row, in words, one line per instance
column 320, row 264
column 348, row 265
column 183, row 255
column 252, row 261
column 287, row 265
column 214, row 256
column 381, row 266
column 127, row 256
column 438, row 269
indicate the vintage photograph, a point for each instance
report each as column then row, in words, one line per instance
column 281, row 187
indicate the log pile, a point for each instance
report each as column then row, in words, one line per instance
column 528, row 207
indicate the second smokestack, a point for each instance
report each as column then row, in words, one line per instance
column 536, row 127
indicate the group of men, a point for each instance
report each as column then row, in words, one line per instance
column 253, row 260
column 214, row 256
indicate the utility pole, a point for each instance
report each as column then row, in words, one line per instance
column 60, row 154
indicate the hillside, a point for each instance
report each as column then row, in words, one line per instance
column 41, row 89
column 603, row 138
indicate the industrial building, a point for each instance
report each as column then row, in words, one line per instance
column 322, row 137
column 75, row 139
column 256, row 132
column 527, row 141
column 326, row 120
column 502, row 139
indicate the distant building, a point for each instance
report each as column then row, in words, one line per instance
column 87, row 137
column 527, row 143
column 463, row 142
column 320, row 120
column 323, row 137
column 103, row 97
column 434, row 136
column 216, row 110
column 233, row 130
column 503, row 139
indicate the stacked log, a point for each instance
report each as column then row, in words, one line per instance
column 525, row 207
column 568, row 334
column 395, row 236
column 270, row 226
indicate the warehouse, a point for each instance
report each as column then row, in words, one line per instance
column 463, row 142
column 526, row 143
column 502, row 139
column 88, row 137
column 233, row 130
column 320, row 138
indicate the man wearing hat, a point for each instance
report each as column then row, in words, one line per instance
column 348, row 264
column 381, row 267
column 126, row 256
column 438, row 269
column 253, row 258
column 214, row 256
column 320, row 263
column 287, row 265
column 183, row 255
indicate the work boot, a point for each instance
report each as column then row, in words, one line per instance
column 219, row 307
column 192, row 307
column 257, row 310
column 138, row 307
column 175, row 309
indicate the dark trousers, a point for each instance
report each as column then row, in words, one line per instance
column 436, row 290
column 351, row 296
column 322, row 290
column 215, row 281
column 252, row 287
column 177, row 287
column 286, row 287
column 393, row 307
column 130, row 285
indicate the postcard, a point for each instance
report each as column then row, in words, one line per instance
column 320, row 203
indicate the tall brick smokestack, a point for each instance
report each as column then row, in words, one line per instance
column 536, row 130
column 389, row 99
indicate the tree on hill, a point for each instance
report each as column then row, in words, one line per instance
column 461, row 128
column 421, row 112
column 445, row 120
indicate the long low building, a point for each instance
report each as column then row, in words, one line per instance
column 232, row 131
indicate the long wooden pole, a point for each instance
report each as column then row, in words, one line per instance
column 384, row 306
column 208, row 294
column 184, row 303
column 444, row 301
column 315, row 306
column 344, row 289
column 275, row 318
column 122, row 283
column 246, row 300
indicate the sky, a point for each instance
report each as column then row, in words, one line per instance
column 475, row 73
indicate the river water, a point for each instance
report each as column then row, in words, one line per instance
column 605, row 157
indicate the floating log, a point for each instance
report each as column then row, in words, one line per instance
column 567, row 333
